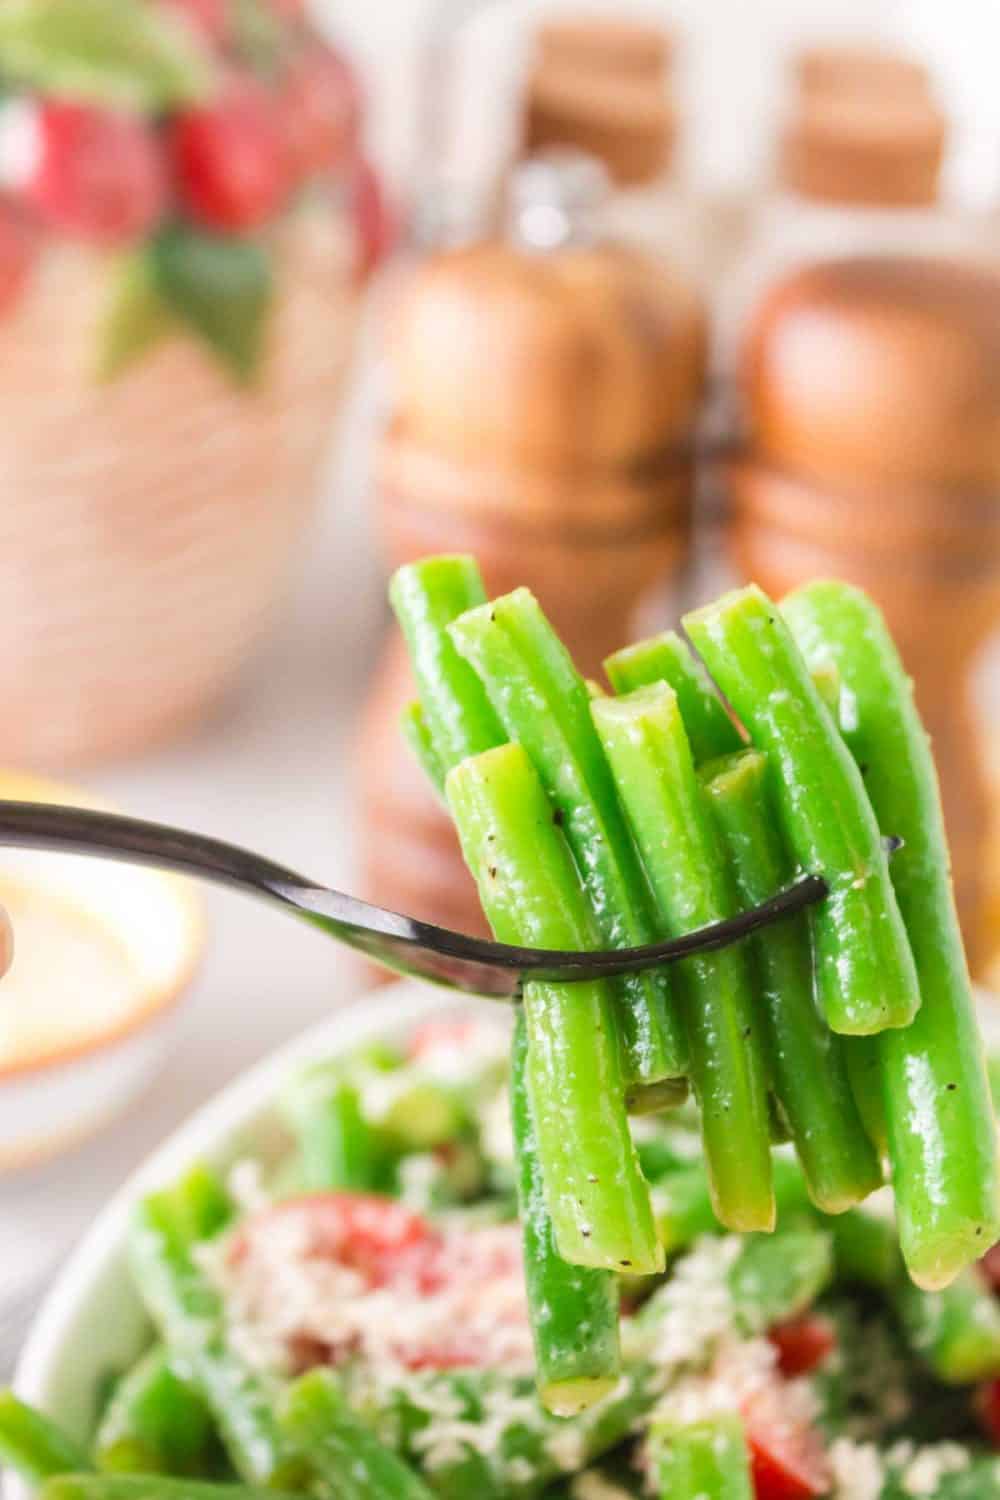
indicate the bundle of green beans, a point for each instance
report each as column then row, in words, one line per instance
column 590, row 820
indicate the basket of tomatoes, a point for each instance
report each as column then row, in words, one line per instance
column 186, row 220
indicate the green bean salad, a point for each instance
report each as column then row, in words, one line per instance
column 726, row 1231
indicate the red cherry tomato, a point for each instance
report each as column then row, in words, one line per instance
column 787, row 1458
column 803, row 1343
column 17, row 252
column 210, row 18
column 321, row 111
column 378, row 1237
column 100, row 173
column 229, row 160
column 990, row 1267
column 987, row 1404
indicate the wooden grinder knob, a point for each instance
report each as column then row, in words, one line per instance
column 543, row 408
column 873, row 399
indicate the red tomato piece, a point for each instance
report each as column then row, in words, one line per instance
column 990, row 1267
column 987, row 1404
column 321, row 111
column 229, row 160
column 787, row 1457
column 100, row 173
column 17, row 253
column 378, row 1237
column 803, row 1343
column 210, row 18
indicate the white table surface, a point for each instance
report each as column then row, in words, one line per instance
column 270, row 770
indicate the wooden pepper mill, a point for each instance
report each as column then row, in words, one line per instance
column 545, row 389
column 874, row 405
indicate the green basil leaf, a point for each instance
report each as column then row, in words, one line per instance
column 221, row 289
column 136, row 318
column 121, row 53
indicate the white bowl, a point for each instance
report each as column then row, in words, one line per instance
column 93, row 1320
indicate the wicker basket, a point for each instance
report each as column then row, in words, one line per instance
column 149, row 526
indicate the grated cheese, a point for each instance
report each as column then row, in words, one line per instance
column 282, row 1297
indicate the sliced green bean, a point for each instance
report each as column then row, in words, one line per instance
column 667, row 658
column 706, row 1460
column 338, row 1147
column 804, row 1057
column 866, row 1248
column 147, row 1487
column 956, row 1331
column 531, row 894
column 644, row 739
column 155, row 1423
column 191, row 1318
column 777, row 1276
column 413, row 723
column 935, row 1090
column 33, row 1444
column 573, row 1310
column 544, row 706
column 426, row 597
column 342, row 1449
column 866, row 975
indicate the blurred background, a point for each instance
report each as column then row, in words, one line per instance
column 632, row 303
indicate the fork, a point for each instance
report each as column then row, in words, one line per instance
column 403, row 944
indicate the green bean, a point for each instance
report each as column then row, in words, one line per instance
column 935, row 1091
column 191, row 1318
column 706, row 1460
column 777, row 1276
column 147, row 1487
column 197, row 1205
column 866, row 1248
column 426, row 597
column 956, row 1331
column 682, row 1201
column 531, row 894
column 156, row 1422
column 338, row 1147
column 413, row 724
column 826, row 677
column 866, row 976
column 667, row 658
column 644, row 740
column 804, row 1058
column 33, row 1444
column 573, row 1310
column 544, row 705
column 342, row 1450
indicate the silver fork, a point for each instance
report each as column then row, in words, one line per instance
column 400, row 943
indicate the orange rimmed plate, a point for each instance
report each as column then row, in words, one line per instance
column 103, row 954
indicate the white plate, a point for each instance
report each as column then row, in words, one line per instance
column 92, row 1321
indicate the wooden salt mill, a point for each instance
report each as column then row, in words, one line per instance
column 544, row 389
column 873, row 399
